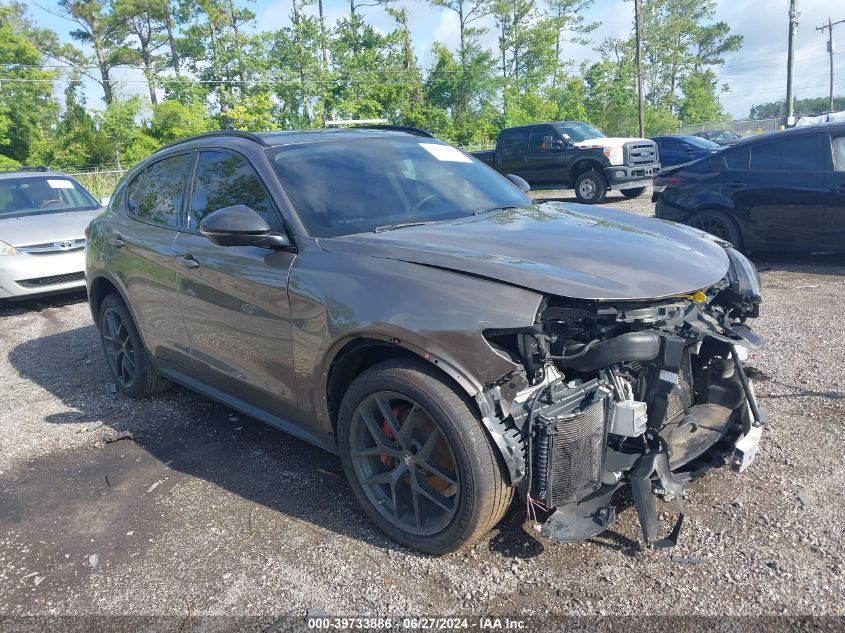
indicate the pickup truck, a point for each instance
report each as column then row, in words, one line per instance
column 574, row 155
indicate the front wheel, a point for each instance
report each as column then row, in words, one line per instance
column 636, row 192
column 418, row 459
column 591, row 187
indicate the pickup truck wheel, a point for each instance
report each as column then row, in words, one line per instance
column 719, row 224
column 636, row 192
column 126, row 357
column 418, row 459
column 591, row 187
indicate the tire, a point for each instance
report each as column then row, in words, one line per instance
column 636, row 192
column 719, row 224
column 444, row 432
column 129, row 366
column 591, row 187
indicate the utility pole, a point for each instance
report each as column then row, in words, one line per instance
column 639, row 67
column 790, row 60
column 829, row 26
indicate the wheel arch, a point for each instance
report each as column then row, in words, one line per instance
column 362, row 352
column 583, row 165
column 99, row 287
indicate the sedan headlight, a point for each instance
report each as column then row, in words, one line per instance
column 8, row 249
column 744, row 281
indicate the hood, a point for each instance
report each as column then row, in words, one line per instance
column 607, row 142
column 43, row 228
column 569, row 250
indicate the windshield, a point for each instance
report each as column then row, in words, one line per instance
column 360, row 185
column 578, row 131
column 42, row 194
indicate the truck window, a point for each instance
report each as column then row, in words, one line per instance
column 537, row 134
column 513, row 142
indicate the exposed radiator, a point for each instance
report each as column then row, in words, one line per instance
column 569, row 452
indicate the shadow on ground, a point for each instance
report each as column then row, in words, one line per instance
column 190, row 434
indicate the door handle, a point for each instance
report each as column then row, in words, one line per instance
column 117, row 241
column 188, row 261
column 839, row 189
column 736, row 184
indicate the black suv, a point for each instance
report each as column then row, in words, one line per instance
column 389, row 298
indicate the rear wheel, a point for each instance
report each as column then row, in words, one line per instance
column 591, row 187
column 719, row 224
column 126, row 357
column 636, row 192
column 419, row 460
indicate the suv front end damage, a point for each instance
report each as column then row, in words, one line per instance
column 646, row 394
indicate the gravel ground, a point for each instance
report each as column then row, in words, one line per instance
column 208, row 512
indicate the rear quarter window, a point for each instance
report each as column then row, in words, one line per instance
column 163, row 191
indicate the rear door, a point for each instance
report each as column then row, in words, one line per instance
column 234, row 298
column 546, row 162
column 511, row 151
column 778, row 185
column 834, row 219
column 142, row 254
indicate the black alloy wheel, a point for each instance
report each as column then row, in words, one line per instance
column 418, row 458
column 403, row 463
column 126, row 357
column 118, row 347
column 719, row 225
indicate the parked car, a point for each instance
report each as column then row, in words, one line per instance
column 575, row 155
column 386, row 297
column 721, row 137
column 780, row 192
column 43, row 217
column 677, row 150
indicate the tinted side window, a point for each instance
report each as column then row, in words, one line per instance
column 670, row 145
column 223, row 180
column 537, row 134
column 737, row 158
column 798, row 153
column 133, row 194
column 164, row 191
column 513, row 142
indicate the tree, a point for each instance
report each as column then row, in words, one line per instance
column 700, row 101
column 27, row 107
column 173, row 121
column 120, row 122
column 98, row 28
column 145, row 22
column 567, row 17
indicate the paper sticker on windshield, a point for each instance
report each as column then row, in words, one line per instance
column 446, row 153
column 60, row 184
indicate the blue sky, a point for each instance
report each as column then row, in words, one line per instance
column 756, row 74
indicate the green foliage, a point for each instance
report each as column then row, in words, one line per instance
column 217, row 69
column 803, row 107
column 7, row 163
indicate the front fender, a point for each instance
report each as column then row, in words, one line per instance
column 437, row 314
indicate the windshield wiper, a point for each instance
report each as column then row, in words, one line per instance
column 508, row 208
column 401, row 225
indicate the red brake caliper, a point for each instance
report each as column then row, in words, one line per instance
column 385, row 459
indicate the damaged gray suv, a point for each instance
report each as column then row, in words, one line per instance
column 387, row 297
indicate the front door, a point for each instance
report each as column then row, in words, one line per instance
column 546, row 161
column 511, row 152
column 234, row 299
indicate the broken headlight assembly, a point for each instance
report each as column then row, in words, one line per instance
column 649, row 395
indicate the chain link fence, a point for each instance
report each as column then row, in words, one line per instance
column 100, row 182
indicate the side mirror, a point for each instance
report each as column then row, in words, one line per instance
column 520, row 183
column 550, row 143
column 686, row 147
column 239, row 225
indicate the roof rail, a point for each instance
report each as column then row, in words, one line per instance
column 396, row 128
column 236, row 133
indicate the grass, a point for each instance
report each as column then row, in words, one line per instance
column 100, row 183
